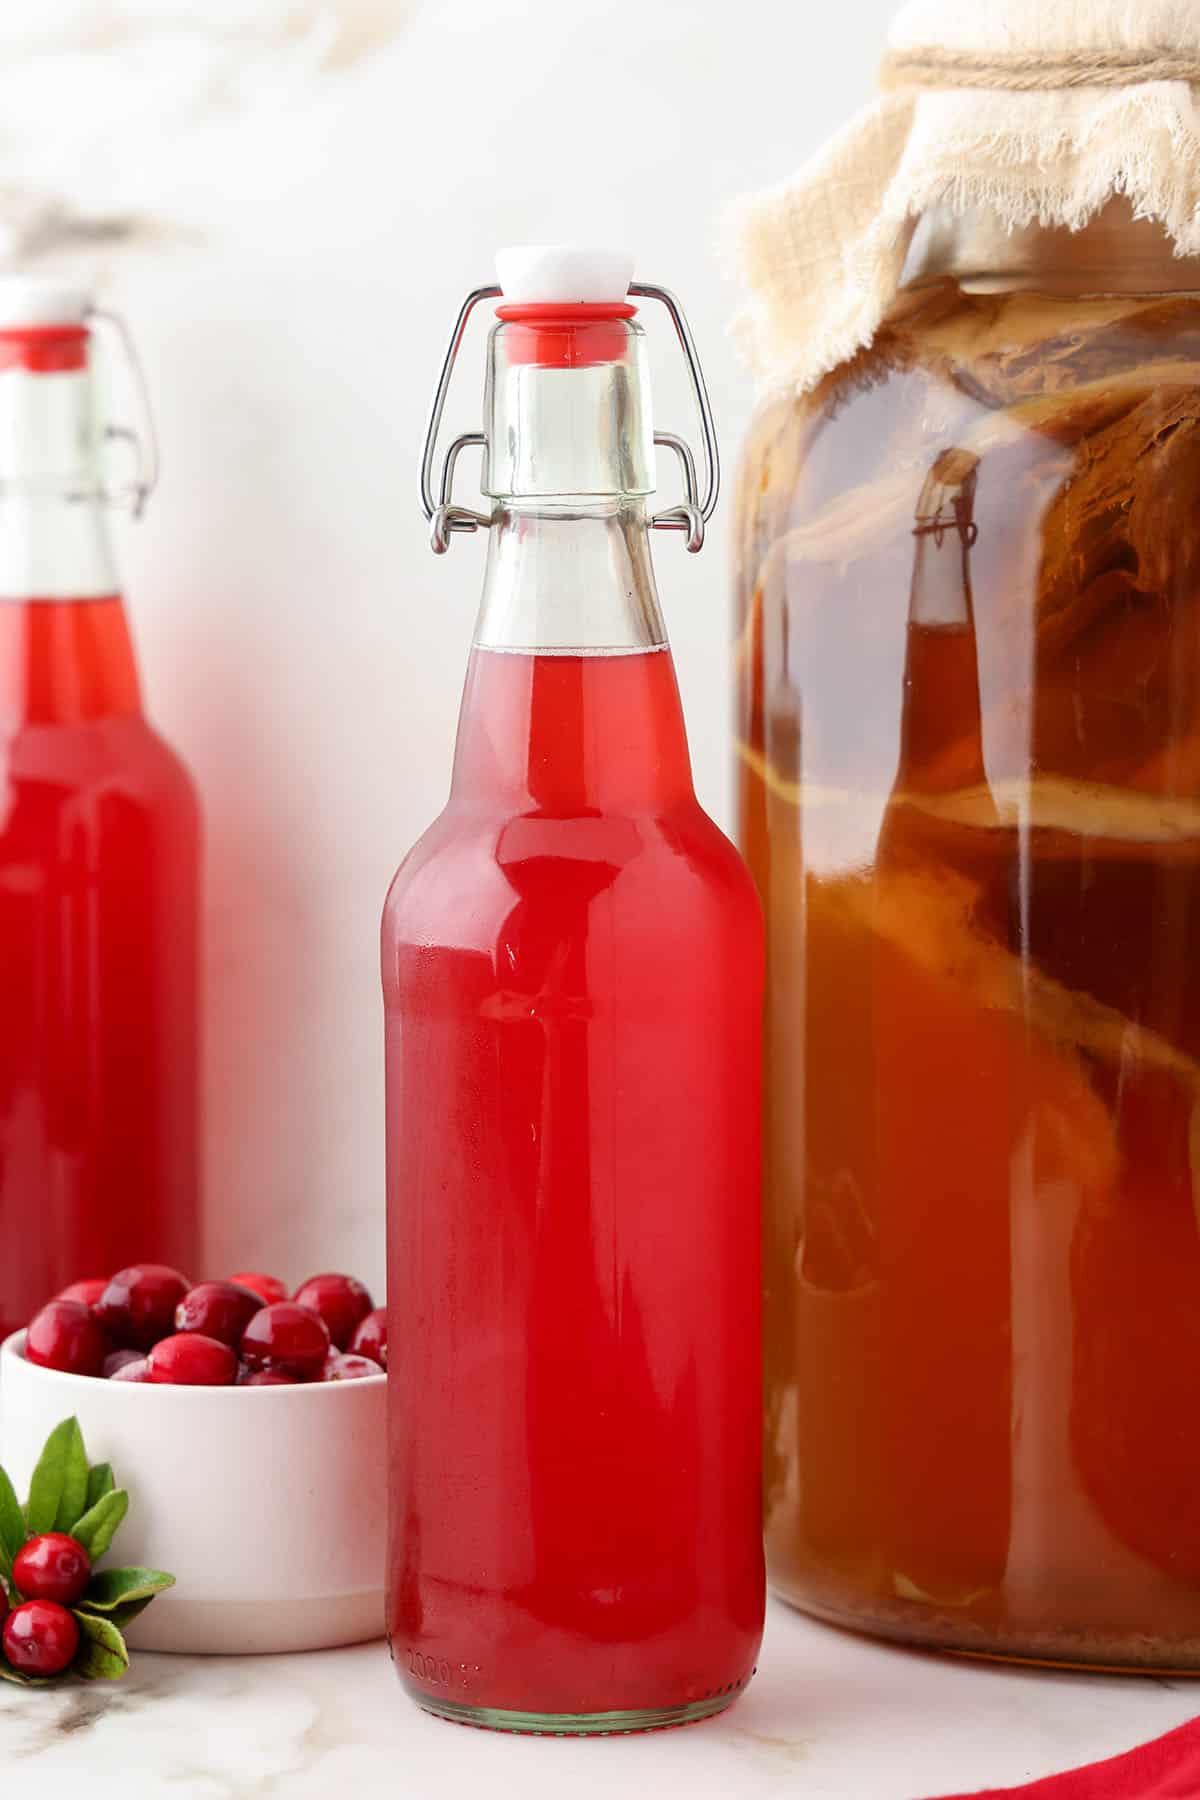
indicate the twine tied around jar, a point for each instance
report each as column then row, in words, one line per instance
column 1032, row 114
column 1020, row 72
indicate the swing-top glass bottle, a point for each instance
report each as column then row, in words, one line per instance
column 99, row 847
column 572, row 966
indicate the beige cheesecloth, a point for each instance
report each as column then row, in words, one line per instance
column 1041, row 110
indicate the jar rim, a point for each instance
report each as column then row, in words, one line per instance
column 1115, row 253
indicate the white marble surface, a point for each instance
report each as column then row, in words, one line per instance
column 828, row 1716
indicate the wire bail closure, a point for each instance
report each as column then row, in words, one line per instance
column 690, row 516
column 144, row 442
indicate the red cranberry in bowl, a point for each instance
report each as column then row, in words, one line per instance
column 188, row 1359
column 338, row 1299
column 86, row 1292
column 65, row 1335
column 51, row 1566
column 138, row 1305
column 370, row 1339
column 219, row 1309
column 120, row 1359
column 342, row 1366
column 248, row 1377
column 40, row 1637
column 137, row 1370
column 267, row 1287
column 288, row 1337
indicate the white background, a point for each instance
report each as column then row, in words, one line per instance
column 307, row 220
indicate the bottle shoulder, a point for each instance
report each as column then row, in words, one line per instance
column 123, row 755
column 479, row 867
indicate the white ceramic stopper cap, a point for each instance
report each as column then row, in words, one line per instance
column 29, row 300
column 531, row 274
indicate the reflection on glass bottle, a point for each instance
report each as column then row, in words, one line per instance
column 942, row 1083
column 941, row 740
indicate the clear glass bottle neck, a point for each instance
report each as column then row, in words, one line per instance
column 570, row 576
column 941, row 741
column 571, row 707
column 63, row 663
column 54, row 536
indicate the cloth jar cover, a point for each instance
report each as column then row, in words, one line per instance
column 1040, row 113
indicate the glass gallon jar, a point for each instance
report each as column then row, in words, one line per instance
column 969, row 737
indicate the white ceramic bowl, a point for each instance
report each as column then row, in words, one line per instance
column 267, row 1504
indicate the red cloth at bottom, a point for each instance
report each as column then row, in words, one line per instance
column 1167, row 1769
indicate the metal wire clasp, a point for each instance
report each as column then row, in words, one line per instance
column 135, row 492
column 697, row 509
column 691, row 515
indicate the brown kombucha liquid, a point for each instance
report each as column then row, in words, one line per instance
column 975, row 827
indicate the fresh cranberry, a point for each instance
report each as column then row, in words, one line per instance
column 40, row 1637
column 51, row 1567
column 137, row 1370
column 268, row 1289
column 86, row 1292
column 66, row 1336
column 138, row 1305
column 219, row 1309
column 338, row 1299
column 344, row 1367
column 248, row 1377
column 286, row 1336
column 120, row 1359
column 188, row 1359
column 371, row 1337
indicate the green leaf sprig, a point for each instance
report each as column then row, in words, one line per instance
column 67, row 1493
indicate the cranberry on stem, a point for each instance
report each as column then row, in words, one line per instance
column 52, row 1566
column 40, row 1637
